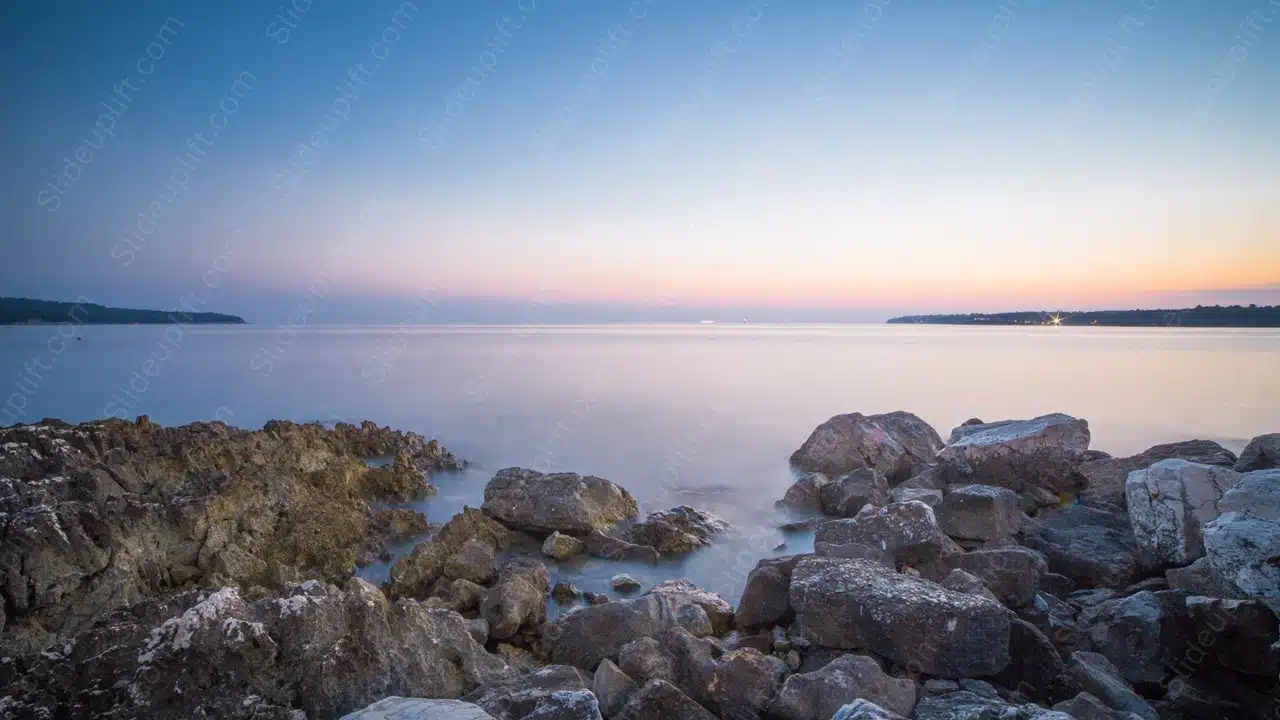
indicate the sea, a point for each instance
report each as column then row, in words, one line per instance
column 693, row 414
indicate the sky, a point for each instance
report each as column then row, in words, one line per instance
column 583, row 160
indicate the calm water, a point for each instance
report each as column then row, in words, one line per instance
column 698, row 414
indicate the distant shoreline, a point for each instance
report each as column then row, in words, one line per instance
column 25, row 311
column 1201, row 316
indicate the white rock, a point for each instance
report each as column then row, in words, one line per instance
column 1169, row 505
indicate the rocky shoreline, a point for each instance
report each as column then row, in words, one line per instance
column 1006, row 573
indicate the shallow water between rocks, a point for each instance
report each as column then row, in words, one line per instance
column 703, row 415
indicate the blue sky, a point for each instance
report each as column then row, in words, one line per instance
column 824, row 159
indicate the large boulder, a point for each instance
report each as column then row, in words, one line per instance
column 1105, row 477
column 612, row 687
column 820, row 694
column 735, row 683
column 398, row 708
column 102, row 515
column 718, row 610
column 1012, row 573
column 660, row 700
column 544, row 503
column 518, row 600
column 1243, row 544
column 980, row 512
column 862, row 709
column 1262, row 453
column 847, row 494
column 415, row 574
column 896, row 444
column 556, row 687
column 597, row 544
column 766, row 598
column 315, row 648
column 1043, row 453
column 473, row 561
column 562, row 547
column 908, row 532
column 678, row 530
column 1098, row 677
column 968, row 705
column 1169, row 504
column 1140, row 634
column 1200, row 578
column 1035, row 668
column 916, row 623
column 1244, row 634
column 586, row 636
column 1091, row 545
column 805, row 494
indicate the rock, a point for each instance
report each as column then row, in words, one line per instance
column 566, row 502
column 516, row 698
column 518, row 599
column 1262, row 453
column 980, row 688
column 1169, row 504
column 1043, row 452
column 819, row 695
column 718, row 610
column 414, row 575
column 1011, row 573
column 611, row 548
column 102, row 515
column 392, row 527
column 1138, row 634
column 562, row 547
column 1092, row 545
column 864, row 710
column 660, row 700
column 980, row 512
column 1238, row 634
column 1035, row 668
column 805, row 525
column 1105, row 478
column 595, row 598
column 907, row 531
column 585, row 637
column 458, row 595
column 1060, row 586
column 473, row 561
column 1200, row 578
column 805, row 494
column 1243, row 544
column 313, row 647
column 678, row 530
column 612, row 688
column 623, row 582
column 918, row 624
column 478, row 628
column 565, row 593
column 1103, row 680
column 895, row 443
column 646, row 659
column 966, row 705
column 1057, row 620
column 766, row 599
column 941, row 686
column 962, row 582
column 567, row 705
column 1088, row 707
column 927, row 477
column 845, row 496
column 518, row 658
column 398, row 708
column 793, row 660
column 901, row 494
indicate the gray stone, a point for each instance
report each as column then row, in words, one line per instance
column 660, row 700
column 930, row 497
column 1200, row 578
column 961, row 581
column 916, row 623
column 1262, row 453
column 565, row 593
column 1103, row 680
column 896, row 444
column 907, row 531
column 1011, row 573
column 1243, row 544
column 819, row 695
column 718, row 610
column 566, row 705
column 473, row 561
column 681, row 529
column 585, row 637
column 1086, row 706
column 1138, row 634
column 1042, row 452
column 568, row 502
column 623, row 582
column 1238, row 634
column 1169, row 504
column 516, row 698
column 847, row 494
column 518, row 599
column 479, row 630
column 611, row 548
column 864, row 710
column 562, row 547
column 612, row 688
column 645, row 659
column 1091, row 545
column 805, row 494
column 1105, row 477
column 1035, row 668
column 980, row 512
column 766, row 598
column 399, row 708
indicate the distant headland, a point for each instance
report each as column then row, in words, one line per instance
column 1198, row 316
column 25, row 311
